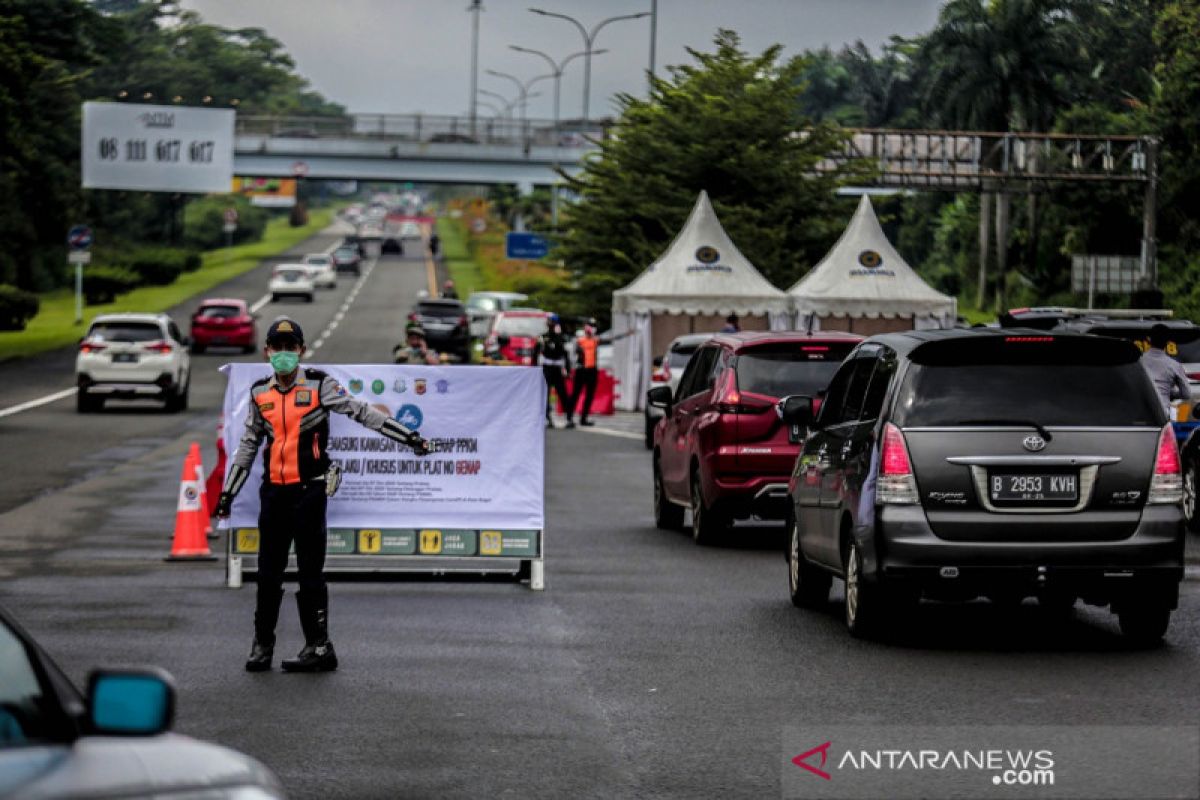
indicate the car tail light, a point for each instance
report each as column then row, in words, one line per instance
column 463, row 321
column 897, row 485
column 1166, row 486
column 661, row 375
column 157, row 347
column 1194, row 376
column 733, row 401
column 91, row 347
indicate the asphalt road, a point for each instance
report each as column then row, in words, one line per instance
column 648, row 668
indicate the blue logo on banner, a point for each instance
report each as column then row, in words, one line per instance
column 410, row 416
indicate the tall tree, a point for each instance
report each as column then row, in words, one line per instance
column 727, row 124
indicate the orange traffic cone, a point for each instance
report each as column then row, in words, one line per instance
column 212, row 490
column 191, row 543
column 195, row 450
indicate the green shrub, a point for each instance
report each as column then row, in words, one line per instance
column 204, row 221
column 192, row 261
column 102, row 284
column 156, row 266
column 16, row 308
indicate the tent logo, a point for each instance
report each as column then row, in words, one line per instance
column 870, row 259
column 708, row 255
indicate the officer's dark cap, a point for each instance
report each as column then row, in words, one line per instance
column 284, row 330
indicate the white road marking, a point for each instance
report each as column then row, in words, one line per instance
column 41, row 401
column 260, row 302
column 608, row 432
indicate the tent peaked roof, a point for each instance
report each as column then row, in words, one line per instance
column 864, row 276
column 702, row 272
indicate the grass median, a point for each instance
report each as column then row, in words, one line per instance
column 460, row 266
column 55, row 327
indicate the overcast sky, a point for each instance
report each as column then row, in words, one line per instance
column 403, row 56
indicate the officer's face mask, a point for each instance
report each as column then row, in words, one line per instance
column 284, row 362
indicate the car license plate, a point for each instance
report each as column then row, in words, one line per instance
column 1026, row 488
column 125, row 358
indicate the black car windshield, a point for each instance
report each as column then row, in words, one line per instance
column 778, row 371
column 22, row 701
column 1050, row 394
column 220, row 312
column 125, row 332
column 439, row 310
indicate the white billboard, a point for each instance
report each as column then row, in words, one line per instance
column 157, row 148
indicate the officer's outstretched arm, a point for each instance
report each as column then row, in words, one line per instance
column 239, row 469
column 336, row 399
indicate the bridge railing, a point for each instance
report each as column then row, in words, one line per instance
column 431, row 128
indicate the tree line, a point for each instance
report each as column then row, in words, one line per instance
column 724, row 123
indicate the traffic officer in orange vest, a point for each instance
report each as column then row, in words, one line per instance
column 584, row 382
column 291, row 411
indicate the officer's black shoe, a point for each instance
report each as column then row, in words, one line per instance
column 260, row 657
column 570, row 424
column 313, row 658
column 587, row 423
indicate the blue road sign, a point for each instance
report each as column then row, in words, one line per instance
column 80, row 237
column 525, row 245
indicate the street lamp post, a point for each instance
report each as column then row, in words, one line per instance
column 589, row 37
column 524, row 92
column 476, row 7
column 556, row 73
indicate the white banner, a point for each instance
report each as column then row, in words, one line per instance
column 157, row 148
column 486, row 468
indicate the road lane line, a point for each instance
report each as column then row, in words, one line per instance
column 618, row 434
column 41, row 401
column 260, row 302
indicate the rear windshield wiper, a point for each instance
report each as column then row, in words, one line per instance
column 1045, row 434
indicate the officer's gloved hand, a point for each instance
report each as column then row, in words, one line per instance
column 224, row 505
column 421, row 446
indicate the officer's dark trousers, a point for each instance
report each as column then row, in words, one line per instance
column 290, row 513
column 585, row 384
column 556, row 381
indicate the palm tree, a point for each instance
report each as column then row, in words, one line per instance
column 1001, row 65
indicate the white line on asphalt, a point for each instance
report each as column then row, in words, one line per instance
column 260, row 302
column 618, row 434
column 41, row 401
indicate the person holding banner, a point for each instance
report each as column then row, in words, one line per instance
column 291, row 410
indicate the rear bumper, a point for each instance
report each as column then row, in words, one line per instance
column 763, row 496
column 906, row 550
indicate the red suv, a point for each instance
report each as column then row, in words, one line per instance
column 722, row 449
column 514, row 336
column 223, row 323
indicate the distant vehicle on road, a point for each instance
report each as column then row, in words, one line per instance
column 133, row 356
column 668, row 369
column 514, row 335
column 223, row 322
column 392, row 246
column 347, row 259
column 321, row 270
column 996, row 463
column 115, row 741
column 720, row 449
column 482, row 307
column 446, row 327
column 291, row 280
column 410, row 230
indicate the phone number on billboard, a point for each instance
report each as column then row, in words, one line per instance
column 163, row 150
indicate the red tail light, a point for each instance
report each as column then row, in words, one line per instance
column 1027, row 339
column 1194, row 376
column 91, row 347
column 463, row 320
column 896, row 485
column 1166, row 486
column 157, row 347
column 730, row 401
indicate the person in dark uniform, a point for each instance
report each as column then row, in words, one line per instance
column 586, row 373
column 556, row 365
column 448, row 290
column 435, row 244
column 291, row 411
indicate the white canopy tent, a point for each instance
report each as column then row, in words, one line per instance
column 700, row 280
column 864, row 286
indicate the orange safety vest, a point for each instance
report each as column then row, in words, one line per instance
column 298, row 427
column 587, row 351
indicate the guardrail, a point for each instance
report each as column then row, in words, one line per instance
column 427, row 128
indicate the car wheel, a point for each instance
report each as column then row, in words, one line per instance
column 197, row 348
column 1144, row 624
column 177, row 398
column 86, row 404
column 864, row 606
column 274, row 298
column 667, row 515
column 808, row 586
column 707, row 524
column 308, row 298
column 250, row 348
column 1191, row 514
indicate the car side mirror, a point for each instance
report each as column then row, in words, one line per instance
column 660, row 397
column 796, row 409
column 131, row 702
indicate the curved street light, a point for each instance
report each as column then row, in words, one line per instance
column 556, row 72
column 521, row 88
column 589, row 38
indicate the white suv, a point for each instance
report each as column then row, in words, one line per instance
column 130, row 356
column 293, row 280
column 321, row 268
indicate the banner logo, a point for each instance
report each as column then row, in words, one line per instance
column 356, row 386
column 377, row 386
column 708, row 255
column 400, row 386
column 419, row 385
column 410, row 416
column 870, row 259
column 443, row 386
